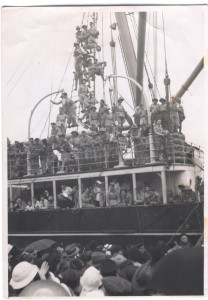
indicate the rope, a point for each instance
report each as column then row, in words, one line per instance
column 194, row 208
column 164, row 41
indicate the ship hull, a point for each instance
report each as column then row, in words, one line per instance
column 107, row 223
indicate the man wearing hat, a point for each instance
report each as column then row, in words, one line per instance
column 69, row 108
column 180, row 113
column 86, row 151
column 93, row 31
column 120, row 112
column 91, row 44
column 93, row 118
column 96, row 68
column 83, row 93
column 103, row 149
column 107, row 120
column 154, row 110
column 75, row 143
column 174, row 116
column 140, row 116
column 60, row 121
column 79, row 35
column 164, row 114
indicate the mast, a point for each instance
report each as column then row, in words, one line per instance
column 128, row 48
column 190, row 79
column 155, row 47
column 140, row 54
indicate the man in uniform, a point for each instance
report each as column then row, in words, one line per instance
column 65, row 150
column 155, row 111
column 174, row 116
column 120, row 113
column 79, row 35
column 36, row 155
column 164, row 114
column 93, row 118
column 140, row 116
column 60, row 121
column 75, row 142
column 69, row 108
column 160, row 140
column 104, row 145
column 83, row 93
column 55, row 132
column 108, row 120
column 96, row 68
column 86, row 150
column 180, row 113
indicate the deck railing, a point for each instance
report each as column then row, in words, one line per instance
column 106, row 156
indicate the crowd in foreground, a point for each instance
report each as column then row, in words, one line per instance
column 94, row 270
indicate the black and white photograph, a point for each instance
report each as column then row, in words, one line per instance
column 103, row 130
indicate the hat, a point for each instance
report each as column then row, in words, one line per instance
column 76, row 264
column 84, row 79
column 63, row 95
column 98, row 182
column 108, row 268
column 51, row 124
column 84, row 26
column 77, row 27
column 118, row 259
column 154, row 100
column 116, row 286
column 91, row 279
column 76, row 44
column 162, row 100
column 74, row 131
column 96, row 258
column 102, row 129
column 71, row 250
column 91, row 23
column 187, row 187
column 50, row 198
column 70, row 277
column 9, row 248
column 120, row 99
column 92, row 107
column 181, row 185
column 44, row 288
column 23, row 273
column 134, row 126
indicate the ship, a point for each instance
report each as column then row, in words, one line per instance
column 136, row 164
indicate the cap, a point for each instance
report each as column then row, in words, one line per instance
column 64, row 95
column 162, row 100
column 84, row 79
column 154, row 100
column 102, row 129
column 74, row 131
column 120, row 99
column 84, row 26
column 92, row 107
column 77, row 27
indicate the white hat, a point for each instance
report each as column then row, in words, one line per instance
column 23, row 274
column 9, row 248
column 91, row 279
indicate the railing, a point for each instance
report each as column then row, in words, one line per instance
column 105, row 156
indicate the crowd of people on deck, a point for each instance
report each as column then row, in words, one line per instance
column 98, row 270
column 108, row 133
column 94, row 194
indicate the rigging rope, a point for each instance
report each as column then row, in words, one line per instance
column 164, row 41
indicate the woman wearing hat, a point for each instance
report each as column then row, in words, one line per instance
column 24, row 273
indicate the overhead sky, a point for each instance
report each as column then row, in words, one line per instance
column 37, row 44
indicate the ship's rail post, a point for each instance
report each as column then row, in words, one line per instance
column 54, row 194
column 134, row 187
column 11, row 197
column 32, row 194
column 80, row 192
column 106, row 190
column 164, row 187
